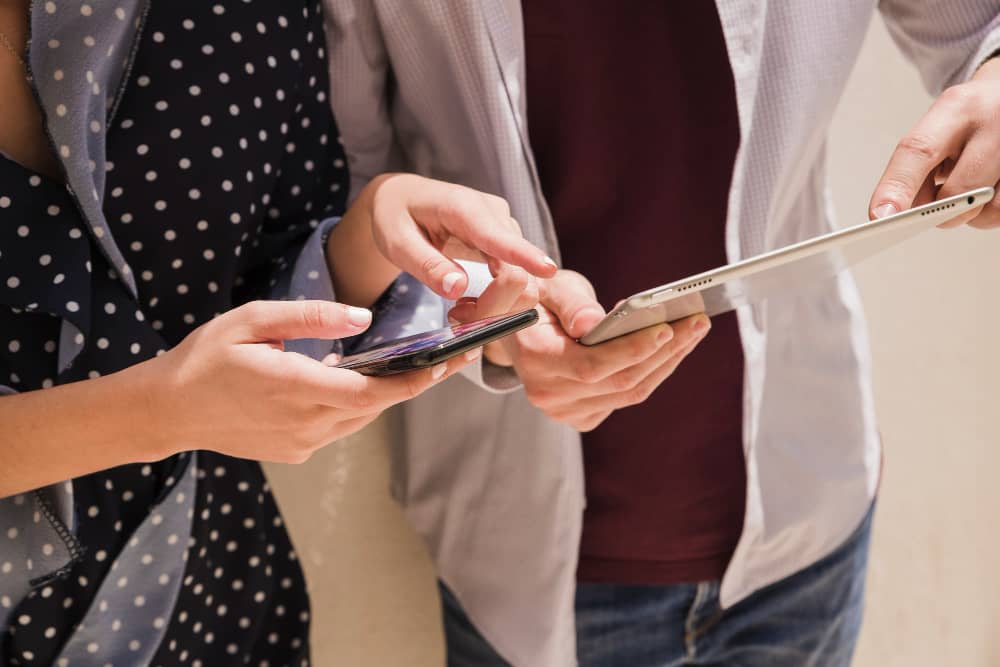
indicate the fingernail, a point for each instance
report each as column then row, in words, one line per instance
column 664, row 336
column 452, row 321
column 702, row 325
column 359, row 317
column 473, row 354
column 449, row 282
column 551, row 262
column 885, row 210
column 438, row 371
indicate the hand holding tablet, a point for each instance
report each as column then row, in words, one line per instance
column 752, row 280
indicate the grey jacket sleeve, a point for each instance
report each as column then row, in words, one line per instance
column 361, row 90
column 947, row 40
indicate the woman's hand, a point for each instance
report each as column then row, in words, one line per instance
column 419, row 225
column 231, row 388
column 228, row 387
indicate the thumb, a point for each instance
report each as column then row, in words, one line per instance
column 286, row 320
column 571, row 298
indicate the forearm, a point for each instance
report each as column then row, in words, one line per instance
column 359, row 271
column 51, row 435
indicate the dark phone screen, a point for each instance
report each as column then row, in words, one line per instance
column 418, row 342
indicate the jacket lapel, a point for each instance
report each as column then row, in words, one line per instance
column 505, row 26
column 79, row 60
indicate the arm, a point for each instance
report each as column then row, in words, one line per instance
column 228, row 387
column 102, row 423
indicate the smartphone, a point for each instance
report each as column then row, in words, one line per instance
column 433, row 347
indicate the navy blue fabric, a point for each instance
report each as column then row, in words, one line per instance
column 222, row 160
column 811, row 619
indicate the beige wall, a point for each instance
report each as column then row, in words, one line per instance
column 932, row 307
column 932, row 589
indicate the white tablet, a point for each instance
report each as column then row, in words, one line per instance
column 752, row 280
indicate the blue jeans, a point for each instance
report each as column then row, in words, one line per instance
column 810, row 619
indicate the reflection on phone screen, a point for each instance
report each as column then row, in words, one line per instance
column 416, row 343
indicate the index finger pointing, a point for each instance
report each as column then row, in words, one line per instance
column 937, row 136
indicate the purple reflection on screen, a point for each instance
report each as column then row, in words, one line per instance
column 416, row 343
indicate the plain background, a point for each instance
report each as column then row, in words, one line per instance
column 932, row 305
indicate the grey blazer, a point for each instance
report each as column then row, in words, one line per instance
column 495, row 488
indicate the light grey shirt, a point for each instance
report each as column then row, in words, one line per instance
column 494, row 487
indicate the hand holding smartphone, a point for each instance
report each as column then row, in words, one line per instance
column 433, row 347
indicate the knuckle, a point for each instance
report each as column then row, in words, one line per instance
column 255, row 312
column 497, row 204
column 416, row 384
column 588, row 424
column 316, row 315
column 921, row 146
column 432, row 264
column 585, row 370
column 961, row 95
column 537, row 396
column 984, row 221
column 636, row 395
column 625, row 380
column 299, row 456
column 364, row 398
column 459, row 203
column 642, row 346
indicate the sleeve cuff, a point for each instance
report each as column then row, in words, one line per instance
column 309, row 278
column 989, row 49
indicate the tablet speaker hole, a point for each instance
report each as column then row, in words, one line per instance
column 693, row 285
column 941, row 208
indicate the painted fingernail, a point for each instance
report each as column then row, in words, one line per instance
column 885, row 210
column 473, row 354
column 438, row 371
column 449, row 282
column 664, row 336
column 359, row 317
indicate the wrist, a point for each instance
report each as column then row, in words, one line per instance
column 151, row 426
column 359, row 271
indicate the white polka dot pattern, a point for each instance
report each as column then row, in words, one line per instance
column 222, row 170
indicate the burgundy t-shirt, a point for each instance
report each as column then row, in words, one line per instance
column 633, row 121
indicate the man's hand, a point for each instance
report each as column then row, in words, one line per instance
column 954, row 148
column 573, row 383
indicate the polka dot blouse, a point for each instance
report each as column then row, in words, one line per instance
column 222, row 161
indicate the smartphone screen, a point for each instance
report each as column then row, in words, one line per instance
column 433, row 347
